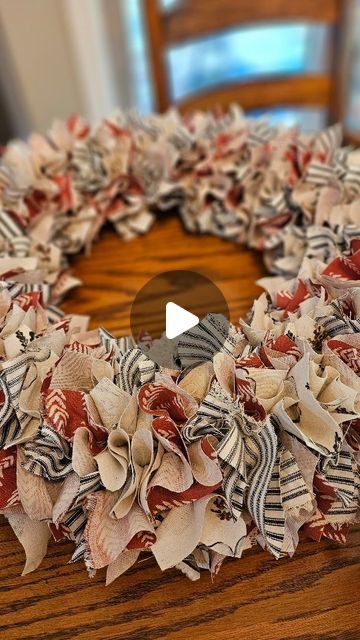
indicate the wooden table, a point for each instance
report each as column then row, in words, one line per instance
column 313, row 596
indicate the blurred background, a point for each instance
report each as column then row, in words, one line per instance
column 92, row 56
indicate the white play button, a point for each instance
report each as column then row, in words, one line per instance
column 167, row 308
column 178, row 320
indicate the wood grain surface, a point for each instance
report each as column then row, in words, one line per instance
column 116, row 270
column 193, row 18
column 312, row 596
column 300, row 90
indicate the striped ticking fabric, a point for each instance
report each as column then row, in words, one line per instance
column 12, row 378
column 260, row 134
column 274, row 514
column 257, row 472
column 231, row 452
column 217, row 417
column 9, row 229
column 54, row 314
column 341, row 162
column 321, row 242
column 135, row 368
column 210, row 336
column 89, row 483
column 89, row 173
column 293, row 489
column 324, row 243
column 133, row 120
column 75, row 522
column 80, row 550
column 21, row 246
column 116, row 345
column 17, row 289
column 12, row 193
column 319, row 173
column 261, row 454
column 14, row 289
column 10, row 425
column 212, row 416
column 48, row 455
column 13, row 233
column 341, row 476
column 351, row 181
column 269, row 500
column 329, row 140
column 331, row 326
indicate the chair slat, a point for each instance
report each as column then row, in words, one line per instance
column 193, row 18
column 303, row 90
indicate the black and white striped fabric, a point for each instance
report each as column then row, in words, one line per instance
column 260, row 133
column 329, row 140
column 18, row 243
column 48, row 455
column 148, row 126
column 351, row 181
column 17, row 289
column 14, row 288
column 88, row 484
column 325, row 243
column 80, row 550
column 12, row 378
column 54, row 314
column 319, row 173
column 321, row 243
column 10, row 427
column 89, row 173
column 293, row 488
column 9, row 228
column 274, row 515
column 210, row 336
column 115, row 345
column 212, row 416
column 257, row 472
column 276, row 486
column 225, row 223
column 261, row 455
column 134, row 369
column 12, row 192
column 231, row 453
column 331, row 326
column 217, row 417
column 341, row 475
column 75, row 522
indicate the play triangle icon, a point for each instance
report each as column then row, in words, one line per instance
column 178, row 320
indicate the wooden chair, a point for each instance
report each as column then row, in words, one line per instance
column 189, row 19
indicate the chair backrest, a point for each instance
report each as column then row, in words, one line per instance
column 189, row 19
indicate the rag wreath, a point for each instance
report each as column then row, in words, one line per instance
column 242, row 444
